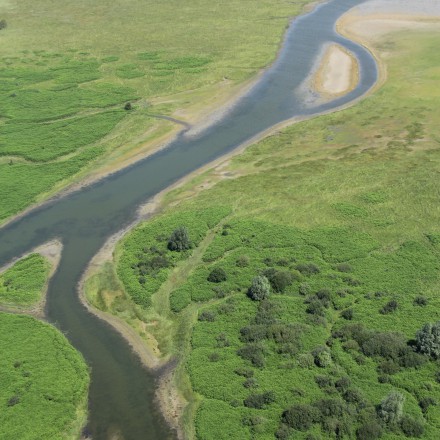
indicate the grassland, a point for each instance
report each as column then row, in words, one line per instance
column 43, row 382
column 22, row 285
column 43, row 379
column 65, row 80
column 344, row 209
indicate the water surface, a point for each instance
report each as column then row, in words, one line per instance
column 122, row 391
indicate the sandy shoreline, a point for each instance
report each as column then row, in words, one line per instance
column 52, row 251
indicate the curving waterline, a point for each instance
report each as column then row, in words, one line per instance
column 122, row 391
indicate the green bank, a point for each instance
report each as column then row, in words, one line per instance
column 337, row 219
column 43, row 379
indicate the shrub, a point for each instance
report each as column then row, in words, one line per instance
column 278, row 280
column 304, row 289
column 389, row 307
column 388, row 367
column 245, row 372
column 388, row 345
column 421, row 301
column 253, row 353
column 214, row 357
column 250, row 382
column 425, row 403
column 260, row 288
column 411, row 427
column 331, row 407
column 242, row 261
column 343, row 384
column 308, row 269
column 179, row 240
column 3, row 24
column 283, row 432
column 315, row 307
column 322, row 357
column 390, row 409
column 300, row 417
column 14, row 400
column 253, row 333
column 222, row 340
column 428, row 340
column 306, row 360
column 343, row 267
column 267, row 313
column 207, row 315
column 259, row 401
column 217, row 275
column 347, row 314
column 409, row 359
column 369, row 431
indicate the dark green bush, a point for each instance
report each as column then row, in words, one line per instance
column 308, row 269
column 179, row 240
column 253, row 353
column 253, row 333
column 421, row 301
column 207, row 315
column 389, row 307
column 369, row 431
column 217, row 275
column 259, row 401
column 300, row 417
column 411, row 427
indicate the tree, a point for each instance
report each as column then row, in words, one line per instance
column 179, row 240
column 260, row 288
column 391, row 408
column 3, row 24
column 428, row 340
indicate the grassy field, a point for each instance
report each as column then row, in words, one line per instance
column 43, row 382
column 22, row 285
column 67, row 71
column 340, row 214
column 43, row 379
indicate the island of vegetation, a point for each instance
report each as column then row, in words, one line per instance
column 297, row 283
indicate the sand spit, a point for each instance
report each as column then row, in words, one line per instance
column 337, row 74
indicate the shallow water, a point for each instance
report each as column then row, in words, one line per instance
column 122, row 391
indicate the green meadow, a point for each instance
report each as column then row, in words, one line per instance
column 43, row 379
column 22, row 285
column 340, row 216
column 68, row 71
column 43, row 382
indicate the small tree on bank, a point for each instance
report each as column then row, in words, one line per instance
column 260, row 288
column 179, row 240
column 428, row 340
column 391, row 408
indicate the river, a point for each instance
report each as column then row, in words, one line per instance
column 122, row 390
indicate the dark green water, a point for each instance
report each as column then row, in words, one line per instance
column 122, row 391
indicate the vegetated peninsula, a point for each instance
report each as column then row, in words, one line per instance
column 297, row 283
column 43, row 379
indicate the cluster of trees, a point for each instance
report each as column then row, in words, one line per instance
column 339, row 415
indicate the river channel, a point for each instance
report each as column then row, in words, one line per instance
column 122, row 390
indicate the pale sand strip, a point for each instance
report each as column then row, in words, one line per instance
column 337, row 74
